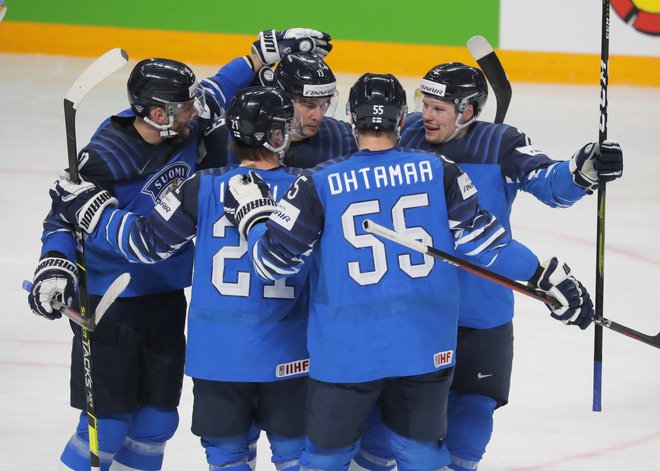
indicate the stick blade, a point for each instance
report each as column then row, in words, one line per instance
column 97, row 71
column 479, row 47
column 115, row 289
column 490, row 64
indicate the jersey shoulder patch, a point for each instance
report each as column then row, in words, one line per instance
column 467, row 187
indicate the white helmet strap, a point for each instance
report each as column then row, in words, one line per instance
column 165, row 129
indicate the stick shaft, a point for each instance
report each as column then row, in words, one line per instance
column 406, row 241
column 600, row 219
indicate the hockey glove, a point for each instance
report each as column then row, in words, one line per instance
column 55, row 278
column 272, row 45
column 593, row 163
column 554, row 277
column 265, row 77
column 248, row 201
column 80, row 204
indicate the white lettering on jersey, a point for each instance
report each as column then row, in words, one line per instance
column 443, row 358
column 467, row 187
column 529, row 150
column 290, row 369
column 167, row 206
column 285, row 215
column 380, row 177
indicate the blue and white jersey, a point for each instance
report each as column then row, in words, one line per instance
column 500, row 161
column 139, row 175
column 333, row 139
column 378, row 309
column 240, row 327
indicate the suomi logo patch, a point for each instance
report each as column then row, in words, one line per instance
column 166, row 180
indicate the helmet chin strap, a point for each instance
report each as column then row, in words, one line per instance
column 458, row 126
column 280, row 151
column 165, row 129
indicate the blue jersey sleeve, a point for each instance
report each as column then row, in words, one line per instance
column 57, row 236
column 478, row 234
column 279, row 247
column 536, row 173
column 147, row 240
column 231, row 78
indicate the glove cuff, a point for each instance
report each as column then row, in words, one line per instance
column 582, row 169
column 55, row 263
column 266, row 47
column 256, row 211
column 88, row 216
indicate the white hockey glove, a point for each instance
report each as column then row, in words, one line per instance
column 554, row 277
column 272, row 45
column 80, row 204
column 593, row 163
column 248, row 201
column 55, row 278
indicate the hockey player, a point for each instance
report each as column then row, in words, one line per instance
column 246, row 348
column 382, row 325
column 501, row 161
column 138, row 156
column 309, row 81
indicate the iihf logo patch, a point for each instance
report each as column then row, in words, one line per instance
column 166, row 180
column 443, row 358
column 290, row 369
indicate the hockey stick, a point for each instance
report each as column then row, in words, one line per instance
column 114, row 290
column 600, row 218
column 401, row 239
column 492, row 68
column 373, row 228
column 100, row 69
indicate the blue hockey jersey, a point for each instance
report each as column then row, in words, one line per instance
column 378, row 309
column 240, row 327
column 334, row 138
column 501, row 161
column 139, row 175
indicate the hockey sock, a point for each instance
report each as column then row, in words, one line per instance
column 253, row 437
column 286, row 451
column 313, row 458
column 412, row 454
column 469, row 428
column 228, row 453
column 144, row 446
column 112, row 430
column 374, row 453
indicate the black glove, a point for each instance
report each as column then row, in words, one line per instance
column 554, row 277
column 248, row 201
column 273, row 45
column 80, row 204
column 55, row 277
column 594, row 162
column 265, row 77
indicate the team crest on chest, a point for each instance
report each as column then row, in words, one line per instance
column 166, row 180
